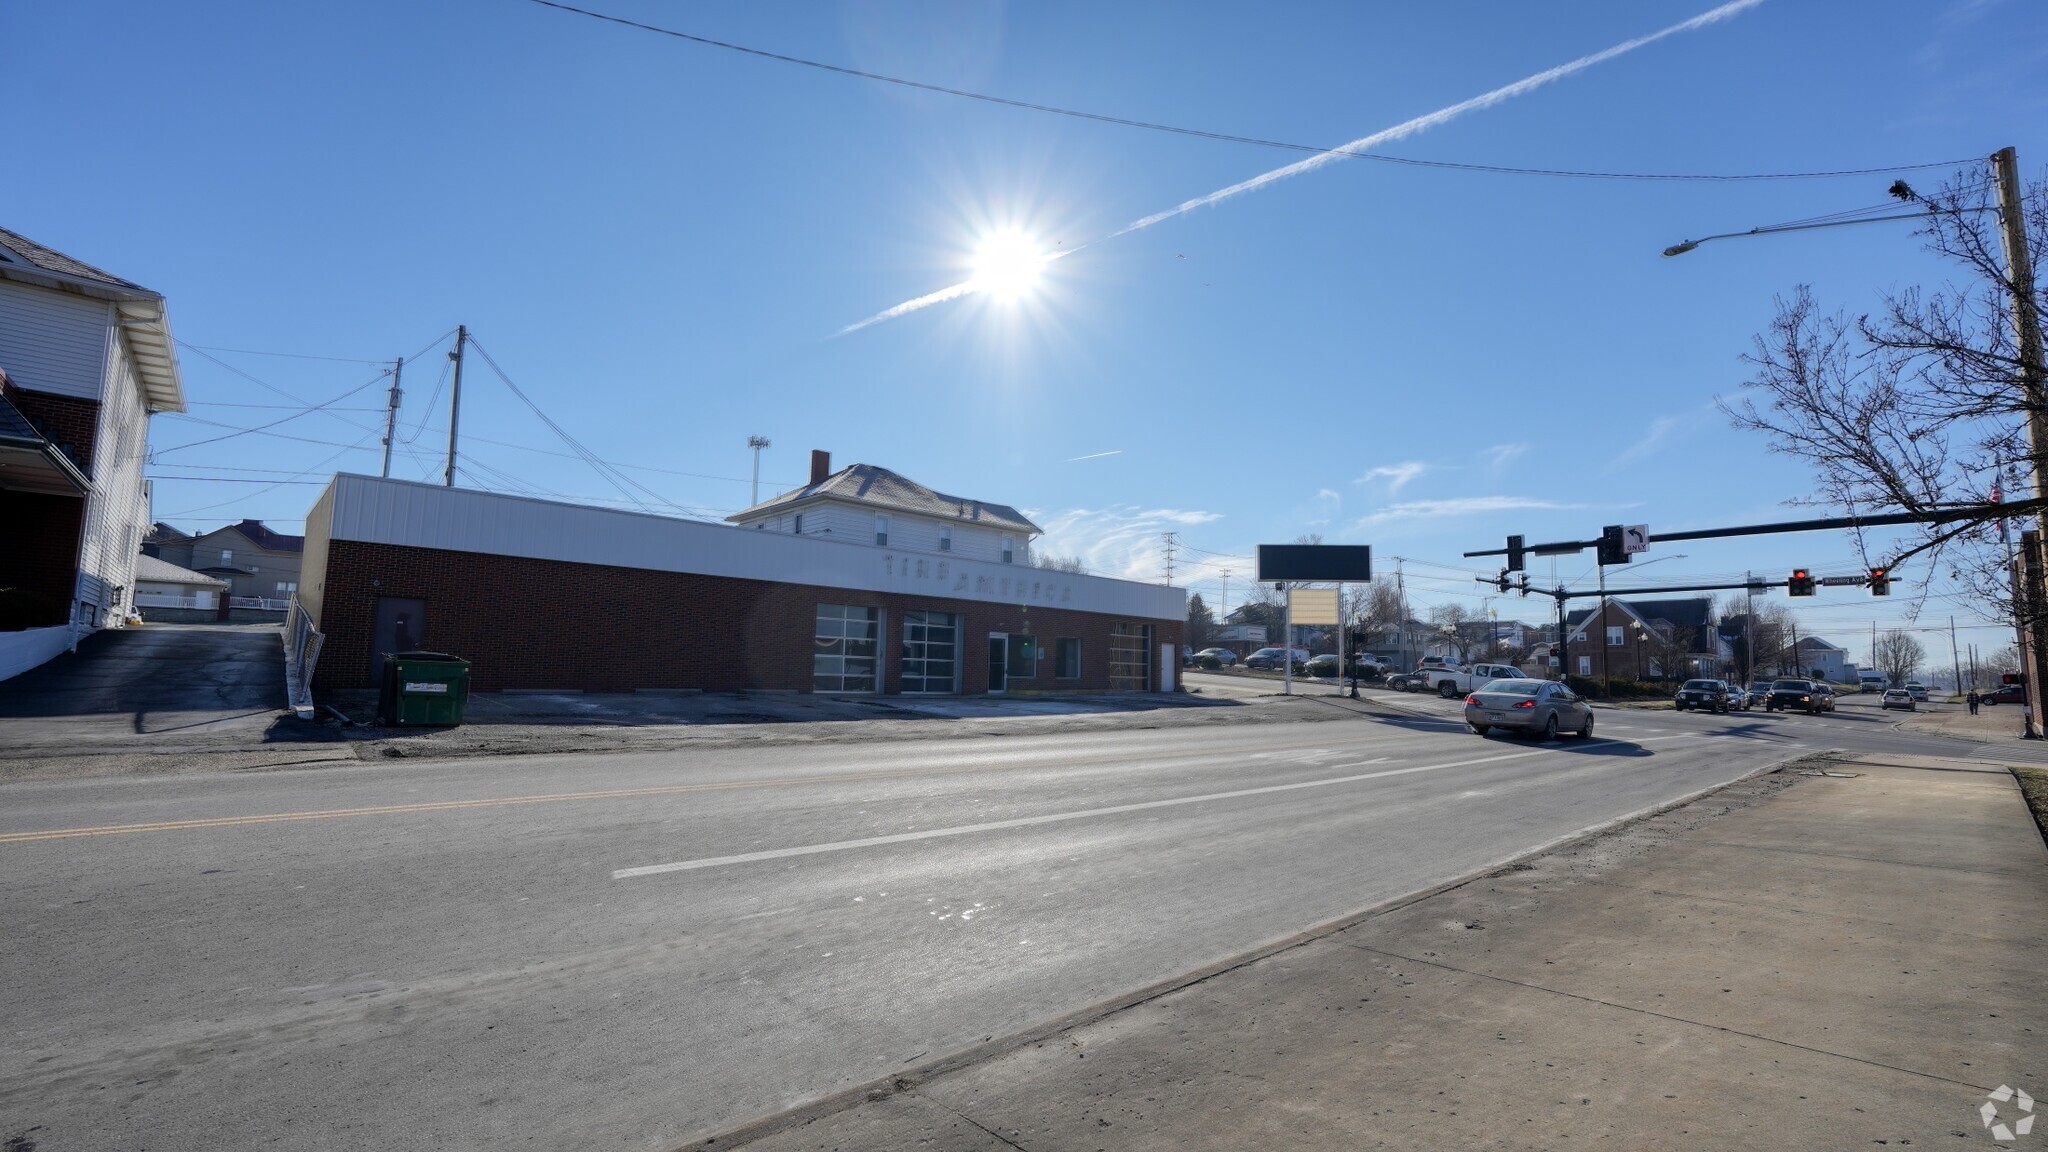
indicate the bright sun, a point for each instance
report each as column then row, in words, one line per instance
column 1008, row 264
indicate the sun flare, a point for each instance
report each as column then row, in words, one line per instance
column 1008, row 264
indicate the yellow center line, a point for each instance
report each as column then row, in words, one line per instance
column 558, row 797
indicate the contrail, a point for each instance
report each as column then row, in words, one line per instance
column 1422, row 123
column 1363, row 143
column 1095, row 456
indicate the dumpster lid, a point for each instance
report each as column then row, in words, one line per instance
column 428, row 657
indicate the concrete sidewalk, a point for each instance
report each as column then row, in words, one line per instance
column 1848, row 960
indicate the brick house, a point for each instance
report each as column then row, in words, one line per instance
column 85, row 359
column 1644, row 640
column 546, row 595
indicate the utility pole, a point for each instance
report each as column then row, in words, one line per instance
column 391, row 415
column 756, row 443
column 1172, row 541
column 1223, row 612
column 1954, row 655
column 1748, row 630
column 455, row 403
column 2034, row 392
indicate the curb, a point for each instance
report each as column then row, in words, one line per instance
column 883, row 1088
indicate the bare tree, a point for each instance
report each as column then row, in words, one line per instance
column 1457, row 625
column 1920, row 403
column 1060, row 564
column 1898, row 655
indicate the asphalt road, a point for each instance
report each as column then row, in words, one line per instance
column 627, row 951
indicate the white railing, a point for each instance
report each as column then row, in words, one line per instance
column 261, row 602
column 301, row 654
column 167, row 600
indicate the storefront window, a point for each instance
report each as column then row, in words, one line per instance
column 1023, row 656
column 931, row 652
column 1066, row 659
column 846, row 646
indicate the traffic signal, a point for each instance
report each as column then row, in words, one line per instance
column 1524, row 589
column 1515, row 551
column 1358, row 641
column 1611, row 547
column 1880, row 582
column 2013, row 678
column 1502, row 582
column 1800, row 583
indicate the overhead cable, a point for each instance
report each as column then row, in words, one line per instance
column 1226, row 137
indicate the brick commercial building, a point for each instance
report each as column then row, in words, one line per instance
column 543, row 595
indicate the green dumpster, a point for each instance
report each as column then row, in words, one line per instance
column 423, row 688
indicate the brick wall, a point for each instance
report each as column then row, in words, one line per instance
column 67, row 422
column 526, row 623
column 41, row 552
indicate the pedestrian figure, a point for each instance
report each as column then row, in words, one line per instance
column 1971, row 699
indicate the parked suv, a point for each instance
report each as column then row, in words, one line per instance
column 1705, row 695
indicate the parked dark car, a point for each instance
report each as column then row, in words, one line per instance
column 1268, row 659
column 1759, row 693
column 1223, row 656
column 1798, row 696
column 2009, row 694
column 1704, row 695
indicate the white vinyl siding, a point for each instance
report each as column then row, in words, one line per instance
column 55, row 341
column 117, row 515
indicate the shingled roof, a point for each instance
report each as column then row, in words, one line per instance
column 881, row 488
column 262, row 536
column 51, row 260
column 141, row 313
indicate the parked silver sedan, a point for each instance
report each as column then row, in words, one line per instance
column 1530, row 707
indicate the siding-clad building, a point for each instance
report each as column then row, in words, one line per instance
column 85, row 358
column 545, row 595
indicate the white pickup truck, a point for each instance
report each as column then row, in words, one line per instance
column 1452, row 681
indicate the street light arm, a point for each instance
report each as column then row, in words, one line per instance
column 1684, row 246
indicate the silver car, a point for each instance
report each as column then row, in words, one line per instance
column 1528, row 706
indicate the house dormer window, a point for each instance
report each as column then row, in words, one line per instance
column 227, row 557
column 882, row 528
column 1009, row 549
column 945, row 539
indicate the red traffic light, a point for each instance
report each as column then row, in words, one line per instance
column 1800, row 583
column 1880, row 582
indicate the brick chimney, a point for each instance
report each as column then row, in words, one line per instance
column 821, row 465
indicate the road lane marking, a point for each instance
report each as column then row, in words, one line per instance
column 1050, row 818
column 605, row 794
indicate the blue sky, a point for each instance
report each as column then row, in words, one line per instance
column 663, row 245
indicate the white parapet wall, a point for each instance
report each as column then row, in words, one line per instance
column 21, row 651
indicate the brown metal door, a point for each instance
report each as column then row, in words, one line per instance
column 401, row 627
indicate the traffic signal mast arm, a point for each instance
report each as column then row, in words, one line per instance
column 1971, row 513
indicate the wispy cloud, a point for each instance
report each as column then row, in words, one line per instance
column 1397, row 476
column 1330, row 494
column 1399, row 131
column 1095, row 456
column 1501, row 455
column 1652, row 438
column 1460, row 506
column 1125, row 541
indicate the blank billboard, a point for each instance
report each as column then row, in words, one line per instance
column 1326, row 563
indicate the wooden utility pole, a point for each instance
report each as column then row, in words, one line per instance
column 2034, row 391
column 455, row 403
column 391, row 416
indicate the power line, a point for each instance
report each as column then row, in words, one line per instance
column 1226, row 137
column 283, row 419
